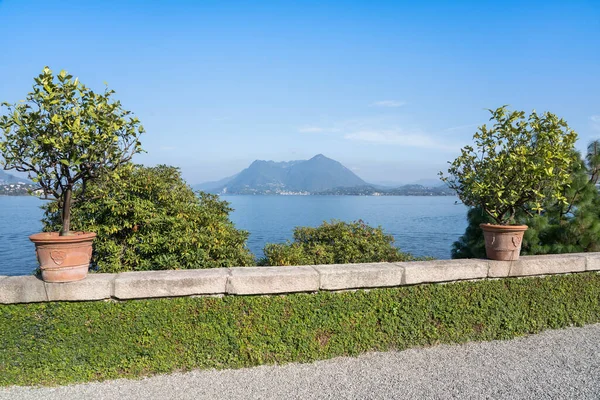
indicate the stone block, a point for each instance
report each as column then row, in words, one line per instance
column 592, row 261
column 272, row 280
column 22, row 289
column 538, row 265
column 355, row 276
column 173, row 283
column 93, row 287
column 443, row 270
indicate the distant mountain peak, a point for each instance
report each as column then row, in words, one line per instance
column 317, row 174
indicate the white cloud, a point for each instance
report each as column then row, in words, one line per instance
column 595, row 122
column 397, row 137
column 461, row 127
column 316, row 129
column 311, row 129
column 383, row 131
column 388, row 103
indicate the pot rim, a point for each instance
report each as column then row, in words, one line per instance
column 503, row 228
column 54, row 237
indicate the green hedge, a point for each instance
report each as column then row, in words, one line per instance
column 59, row 343
column 335, row 242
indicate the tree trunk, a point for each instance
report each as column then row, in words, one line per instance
column 66, row 212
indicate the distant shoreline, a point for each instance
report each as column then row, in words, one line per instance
column 333, row 195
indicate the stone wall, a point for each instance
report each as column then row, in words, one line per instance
column 278, row 280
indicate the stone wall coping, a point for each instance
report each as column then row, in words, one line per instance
column 281, row 280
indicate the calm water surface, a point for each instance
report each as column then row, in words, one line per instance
column 424, row 226
column 19, row 218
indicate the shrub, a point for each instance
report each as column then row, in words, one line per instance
column 150, row 219
column 517, row 165
column 335, row 242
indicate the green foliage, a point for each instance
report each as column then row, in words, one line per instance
column 336, row 242
column 64, row 134
column 593, row 160
column 471, row 244
column 563, row 227
column 61, row 343
column 516, row 165
column 150, row 219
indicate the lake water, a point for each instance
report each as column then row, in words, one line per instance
column 423, row 226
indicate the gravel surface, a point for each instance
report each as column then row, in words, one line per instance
column 560, row 364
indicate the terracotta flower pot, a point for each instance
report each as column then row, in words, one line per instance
column 63, row 258
column 503, row 242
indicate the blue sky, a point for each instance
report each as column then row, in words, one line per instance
column 391, row 89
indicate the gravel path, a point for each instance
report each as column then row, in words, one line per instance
column 561, row 364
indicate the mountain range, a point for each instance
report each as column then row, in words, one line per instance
column 318, row 175
column 269, row 177
column 6, row 179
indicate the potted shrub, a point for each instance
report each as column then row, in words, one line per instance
column 517, row 164
column 63, row 136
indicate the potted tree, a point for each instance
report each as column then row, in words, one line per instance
column 63, row 136
column 518, row 164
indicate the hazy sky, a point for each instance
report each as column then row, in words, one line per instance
column 390, row 89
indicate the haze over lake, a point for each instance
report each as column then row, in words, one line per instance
column 421, row 225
